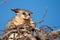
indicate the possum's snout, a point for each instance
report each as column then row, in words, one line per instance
column 15, row 10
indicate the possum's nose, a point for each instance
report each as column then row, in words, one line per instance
column 27, row 17
column 15, row 9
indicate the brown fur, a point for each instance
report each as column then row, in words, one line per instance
column 18, row 19
column 54, row 34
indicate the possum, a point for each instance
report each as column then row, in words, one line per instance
column 22, row 17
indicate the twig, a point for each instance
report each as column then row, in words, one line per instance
column 8, row 33
column 38, row 22
column 45, row 13
column 47, row 26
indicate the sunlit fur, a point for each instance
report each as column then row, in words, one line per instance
column 19, row 18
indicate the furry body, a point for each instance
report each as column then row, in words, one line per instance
column 21, row 17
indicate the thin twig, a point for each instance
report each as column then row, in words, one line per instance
column 45, row 13
column 49, row 27
column 38, row 22
column 8, row 33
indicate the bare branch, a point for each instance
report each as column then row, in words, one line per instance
column 8, row 33
column 45, row 13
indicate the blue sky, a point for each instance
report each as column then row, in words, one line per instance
column 38, row 8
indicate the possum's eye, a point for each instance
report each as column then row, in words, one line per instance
column 29, row 14
column 24, row 13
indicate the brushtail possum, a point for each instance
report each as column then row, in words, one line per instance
column 22, row 17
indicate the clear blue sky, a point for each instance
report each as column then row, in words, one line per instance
column 38, row 8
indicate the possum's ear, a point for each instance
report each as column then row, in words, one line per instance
column 31, row 12
column 16, row 10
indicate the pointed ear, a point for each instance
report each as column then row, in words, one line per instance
column 31, row 12
column 16, row 10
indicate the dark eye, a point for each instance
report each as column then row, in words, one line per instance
column 24, row 13
column 29, row 14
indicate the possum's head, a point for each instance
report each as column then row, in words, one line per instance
column 25, row 14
